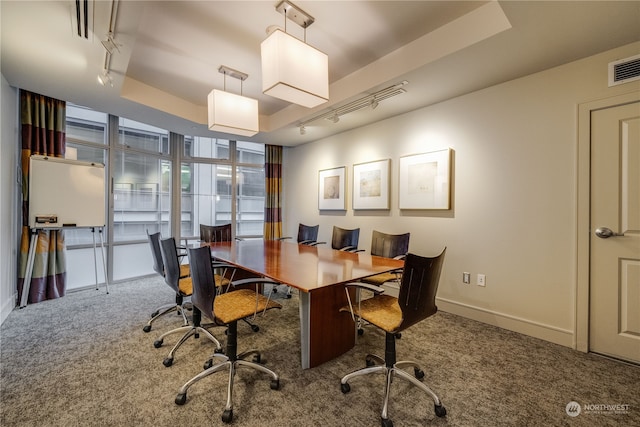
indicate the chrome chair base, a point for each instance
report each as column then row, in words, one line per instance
column 391, row 372
column 166, row 309
column 231, row 361
column 188, row 332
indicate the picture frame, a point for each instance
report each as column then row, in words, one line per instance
column 371, row 185
column 332, row 189
column 425, row 181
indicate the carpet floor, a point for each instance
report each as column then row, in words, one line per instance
column 83, row 360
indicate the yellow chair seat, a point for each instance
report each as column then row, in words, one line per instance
column 239, row 304
column 382, row 311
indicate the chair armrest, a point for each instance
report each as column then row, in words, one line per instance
column 283, row 238
column 400, row 257
column 311, row 243
column 352, row 249
column 252, row 280
column 373, row 288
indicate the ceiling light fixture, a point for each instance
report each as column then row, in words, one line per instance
column 231, row 113
column 303, row 130
column 370, row 100
column 105, row 79
column 109, row 45
column 292, row 70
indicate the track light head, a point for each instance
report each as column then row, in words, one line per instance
column 105, row 79
column 303, row 130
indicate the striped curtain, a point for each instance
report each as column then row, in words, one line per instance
column 42, row 122
column 272, row 202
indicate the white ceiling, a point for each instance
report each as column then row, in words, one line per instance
column 171, row 50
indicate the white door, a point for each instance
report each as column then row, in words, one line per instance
column 614, row 318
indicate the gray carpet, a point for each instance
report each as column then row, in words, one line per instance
column 83, row 360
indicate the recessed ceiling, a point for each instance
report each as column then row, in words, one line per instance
column 170, row 52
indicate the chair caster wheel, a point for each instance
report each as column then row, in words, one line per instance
column 181, row 398
column 167, row 362
column 147, row 328
column 419, row 373
column 154, row 314
column 275, row 384
column 255, row 328
column 257, row 359
column 398, row 335
column 360, row 331
column 157, row 343
column 288, row 296
column 227, row 416
column 441, row 411
column 345, row 388
column 207, row 364
column 369, row 362
column 386, row 422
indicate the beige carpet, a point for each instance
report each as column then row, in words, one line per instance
column 83, row 360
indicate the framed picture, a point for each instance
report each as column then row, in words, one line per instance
column 371, row 185
column 332, row 189
column 425, row 180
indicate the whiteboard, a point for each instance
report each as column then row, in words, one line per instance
column 65, row 193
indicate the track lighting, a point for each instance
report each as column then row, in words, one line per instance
column 105, row 79
column 303, row 130
column 370, row 100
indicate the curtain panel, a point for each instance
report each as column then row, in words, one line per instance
column 273, row 182
column 42, row 121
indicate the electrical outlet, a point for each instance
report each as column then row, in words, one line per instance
column 466, row 278
column 482, row 280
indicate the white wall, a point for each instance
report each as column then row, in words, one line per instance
column 9, row 144
column 514, row 213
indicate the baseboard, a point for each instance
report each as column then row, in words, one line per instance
column 549, row 333
column 7, row 307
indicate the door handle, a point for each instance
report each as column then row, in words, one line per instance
column 605, row 233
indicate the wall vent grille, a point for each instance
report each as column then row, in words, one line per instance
column 624, row 71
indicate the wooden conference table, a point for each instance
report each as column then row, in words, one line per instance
column 319, row 273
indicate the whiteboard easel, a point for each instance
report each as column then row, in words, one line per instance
column 26, row 286
column 64, row 194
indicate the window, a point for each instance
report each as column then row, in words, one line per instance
column 220, row 181
column 210, row 194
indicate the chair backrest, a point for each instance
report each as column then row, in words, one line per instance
column 154, row 242
column 343, row 238
column 389, row 245
column 417, row 298
column 307, row 233
column 171, row 263
column 202, row 278
column 215, row 233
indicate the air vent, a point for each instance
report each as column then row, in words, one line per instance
column 82, row 18
column 624, row 71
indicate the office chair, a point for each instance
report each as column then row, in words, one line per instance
column 307, row 235
column 345, row 240
column 158, row 267
column 386, row 245
column 216, row 233
column 415, row 303
column 226, row 309
column 184, row 288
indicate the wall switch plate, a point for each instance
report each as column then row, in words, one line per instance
column 482, row 280
column 466, row 278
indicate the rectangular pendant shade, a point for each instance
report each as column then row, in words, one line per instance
column 294, row 71
column 231, row 113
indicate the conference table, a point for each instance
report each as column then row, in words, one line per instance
column 319, row 273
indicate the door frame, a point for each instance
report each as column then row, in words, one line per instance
column 583, row 227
